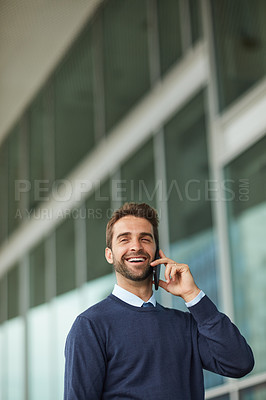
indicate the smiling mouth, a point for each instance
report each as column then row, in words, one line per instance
column 136, row 259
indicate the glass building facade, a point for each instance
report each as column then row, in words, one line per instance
column 155, row 101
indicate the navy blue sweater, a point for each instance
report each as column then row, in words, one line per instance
column 118, row 351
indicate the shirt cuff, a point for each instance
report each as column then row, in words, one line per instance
column 196, row 299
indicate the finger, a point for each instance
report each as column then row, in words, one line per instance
column 160, row 261
column 173, row 272
column 156, row 262
column 161, row 254
column 167, row 273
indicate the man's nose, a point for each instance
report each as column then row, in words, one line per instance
column 136, row 245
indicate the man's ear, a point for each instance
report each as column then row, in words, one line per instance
column 109, row 255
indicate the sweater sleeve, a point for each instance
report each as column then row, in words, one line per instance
column 85, row 362
column 222, row 348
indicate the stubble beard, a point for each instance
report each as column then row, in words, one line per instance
column 123, row 269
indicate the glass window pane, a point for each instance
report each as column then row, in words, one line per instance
column 169, row 33
column 97, row 290
column 74, row 118
column 187, row 171
column 3, row 299
column 2, row 365
column 15, row 340
column 192, row 237
column 240, row 44
column 224, row 397
column 37, row 275
column 65, row 257
column 195, row 20
column 125, row 51
column 99, row 211
column 15, row 197
column 40, row 157
column 13, row 292
column 3, row 191
column 138, row 177
column 39, row 352
column 65, row 309
column 254, row 393
column 247, row 231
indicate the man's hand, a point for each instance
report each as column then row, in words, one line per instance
column 179, row 280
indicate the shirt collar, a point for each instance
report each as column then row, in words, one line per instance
column 131, row 298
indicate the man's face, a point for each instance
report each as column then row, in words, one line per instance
column 133, row 248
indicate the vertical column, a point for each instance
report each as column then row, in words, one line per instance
column 24, row 172
column 234, row 395
column 160, row 179
column 98, row 81
column 23, row 309
column 49, row 136
column 117, row 190
column 50, row 245
column 4, row 192
column 80, row 250
column 186, row 38
column 50, row 293
column 3, row 305
column 153, row 42
column 214, row 137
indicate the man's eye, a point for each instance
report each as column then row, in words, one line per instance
column 146, row 239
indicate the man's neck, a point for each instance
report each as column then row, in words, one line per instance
column 141, row 289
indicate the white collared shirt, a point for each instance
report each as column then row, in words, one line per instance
column 136, row 301
column 131, row 298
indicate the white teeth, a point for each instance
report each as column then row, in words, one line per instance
column 136, row 259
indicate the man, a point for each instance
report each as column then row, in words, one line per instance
column 120, row 349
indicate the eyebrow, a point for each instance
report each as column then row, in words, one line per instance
column 123, row 234
column 129, row 233
column 146, row 234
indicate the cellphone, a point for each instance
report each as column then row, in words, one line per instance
column 156, row 270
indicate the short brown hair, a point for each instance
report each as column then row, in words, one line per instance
column 141, row 210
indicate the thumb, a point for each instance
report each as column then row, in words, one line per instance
column 163, row 285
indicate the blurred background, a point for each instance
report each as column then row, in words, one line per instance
column 102, row 102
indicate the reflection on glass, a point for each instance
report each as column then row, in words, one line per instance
column 74, row 111
column 3, row 193
column 195, row 19
column 247, row 231
column 65, row 257
column 36, row 144
column 192, row 239
column 3, row 299
column 98, row 212
column 65, row 309
column 15, row 379
column 39, row 352
column 240, row 36
column 40, row 120
column 13, row 292
column 97, row 290
column 2, row 365
column 169, row 33
column 37, row 276
column 125, row 51
column 254, row 393
column 138, row 177
column 15, row 211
